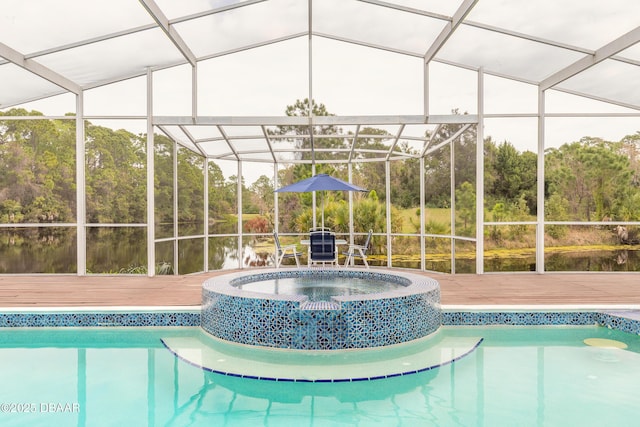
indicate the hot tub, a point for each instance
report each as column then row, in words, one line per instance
column 250, row 308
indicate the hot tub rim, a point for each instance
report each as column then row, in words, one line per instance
column 413, row 283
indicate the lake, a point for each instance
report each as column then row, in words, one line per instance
column 123, row 250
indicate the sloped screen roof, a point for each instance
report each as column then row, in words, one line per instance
column 582, row 47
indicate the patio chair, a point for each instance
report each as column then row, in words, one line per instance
column 322, row 248
column 358, row 251
column 287, row 251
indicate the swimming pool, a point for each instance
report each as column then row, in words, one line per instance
column 126, row 376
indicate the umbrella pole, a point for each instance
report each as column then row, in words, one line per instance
column 322, row 197
column 314, row 209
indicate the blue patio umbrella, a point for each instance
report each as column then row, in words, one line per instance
column 320, row 182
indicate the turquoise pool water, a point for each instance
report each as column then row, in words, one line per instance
column 320, row 288
column 522, row 376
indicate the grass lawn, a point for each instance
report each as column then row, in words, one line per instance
column 411, row 218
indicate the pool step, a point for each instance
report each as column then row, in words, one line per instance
column 211, row 354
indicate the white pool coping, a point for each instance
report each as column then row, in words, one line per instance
column 539, row 307
column 444, row 307
column 101, row 309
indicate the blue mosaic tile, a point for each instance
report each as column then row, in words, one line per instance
column 623, row 321
column 518, row 318
column 626, row 322
column 98, row 319
column 359, row 321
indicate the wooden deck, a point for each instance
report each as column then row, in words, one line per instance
column 588, row 289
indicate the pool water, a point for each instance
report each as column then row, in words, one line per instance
column 517, row 376
column 320, row 288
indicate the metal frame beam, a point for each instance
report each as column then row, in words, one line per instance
column 406, row 9
column 605, row 52
column 315, row 120
column 163, row 22
column 450, row 28
column 448, row 140
column 38, row 69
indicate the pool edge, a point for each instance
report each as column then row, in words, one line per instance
column 625, row 318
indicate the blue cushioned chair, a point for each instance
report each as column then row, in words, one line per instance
column 322, row 247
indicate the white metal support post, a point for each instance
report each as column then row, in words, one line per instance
column 387, row 177
column 194, row 92
column 240, row 237
column 314, row 222
column 206, row 215
column 351, row 229
column 81, row 185
column 194, row 115
column 310, row 82
column 452, row 192
column 480, row 176
column 425, row 103
column 423, row 251
column 540, row 185
column 151, row 229
column 276, row 211
column 425, row 90
column 176, row 248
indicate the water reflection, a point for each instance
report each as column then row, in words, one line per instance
column 622, row 257
column 251, row 258
column 131, row 371
column 118, row 250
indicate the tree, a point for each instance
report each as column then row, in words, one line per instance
column 222, row 194
column 163, row 182
column 299, row 135
column 262, row 194
column 630, row 148
column 556, row 210
column 291, row 204
column 438, row 166
column 513, row 176
column 507, row 167
column 591, row 175
column 37, row 162
column 466, row 206
column 190, row 188
column 438, row 178
column 370, row 175
column 116, row 175
column 405, row 187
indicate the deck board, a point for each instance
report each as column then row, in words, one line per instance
column 588, row 289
